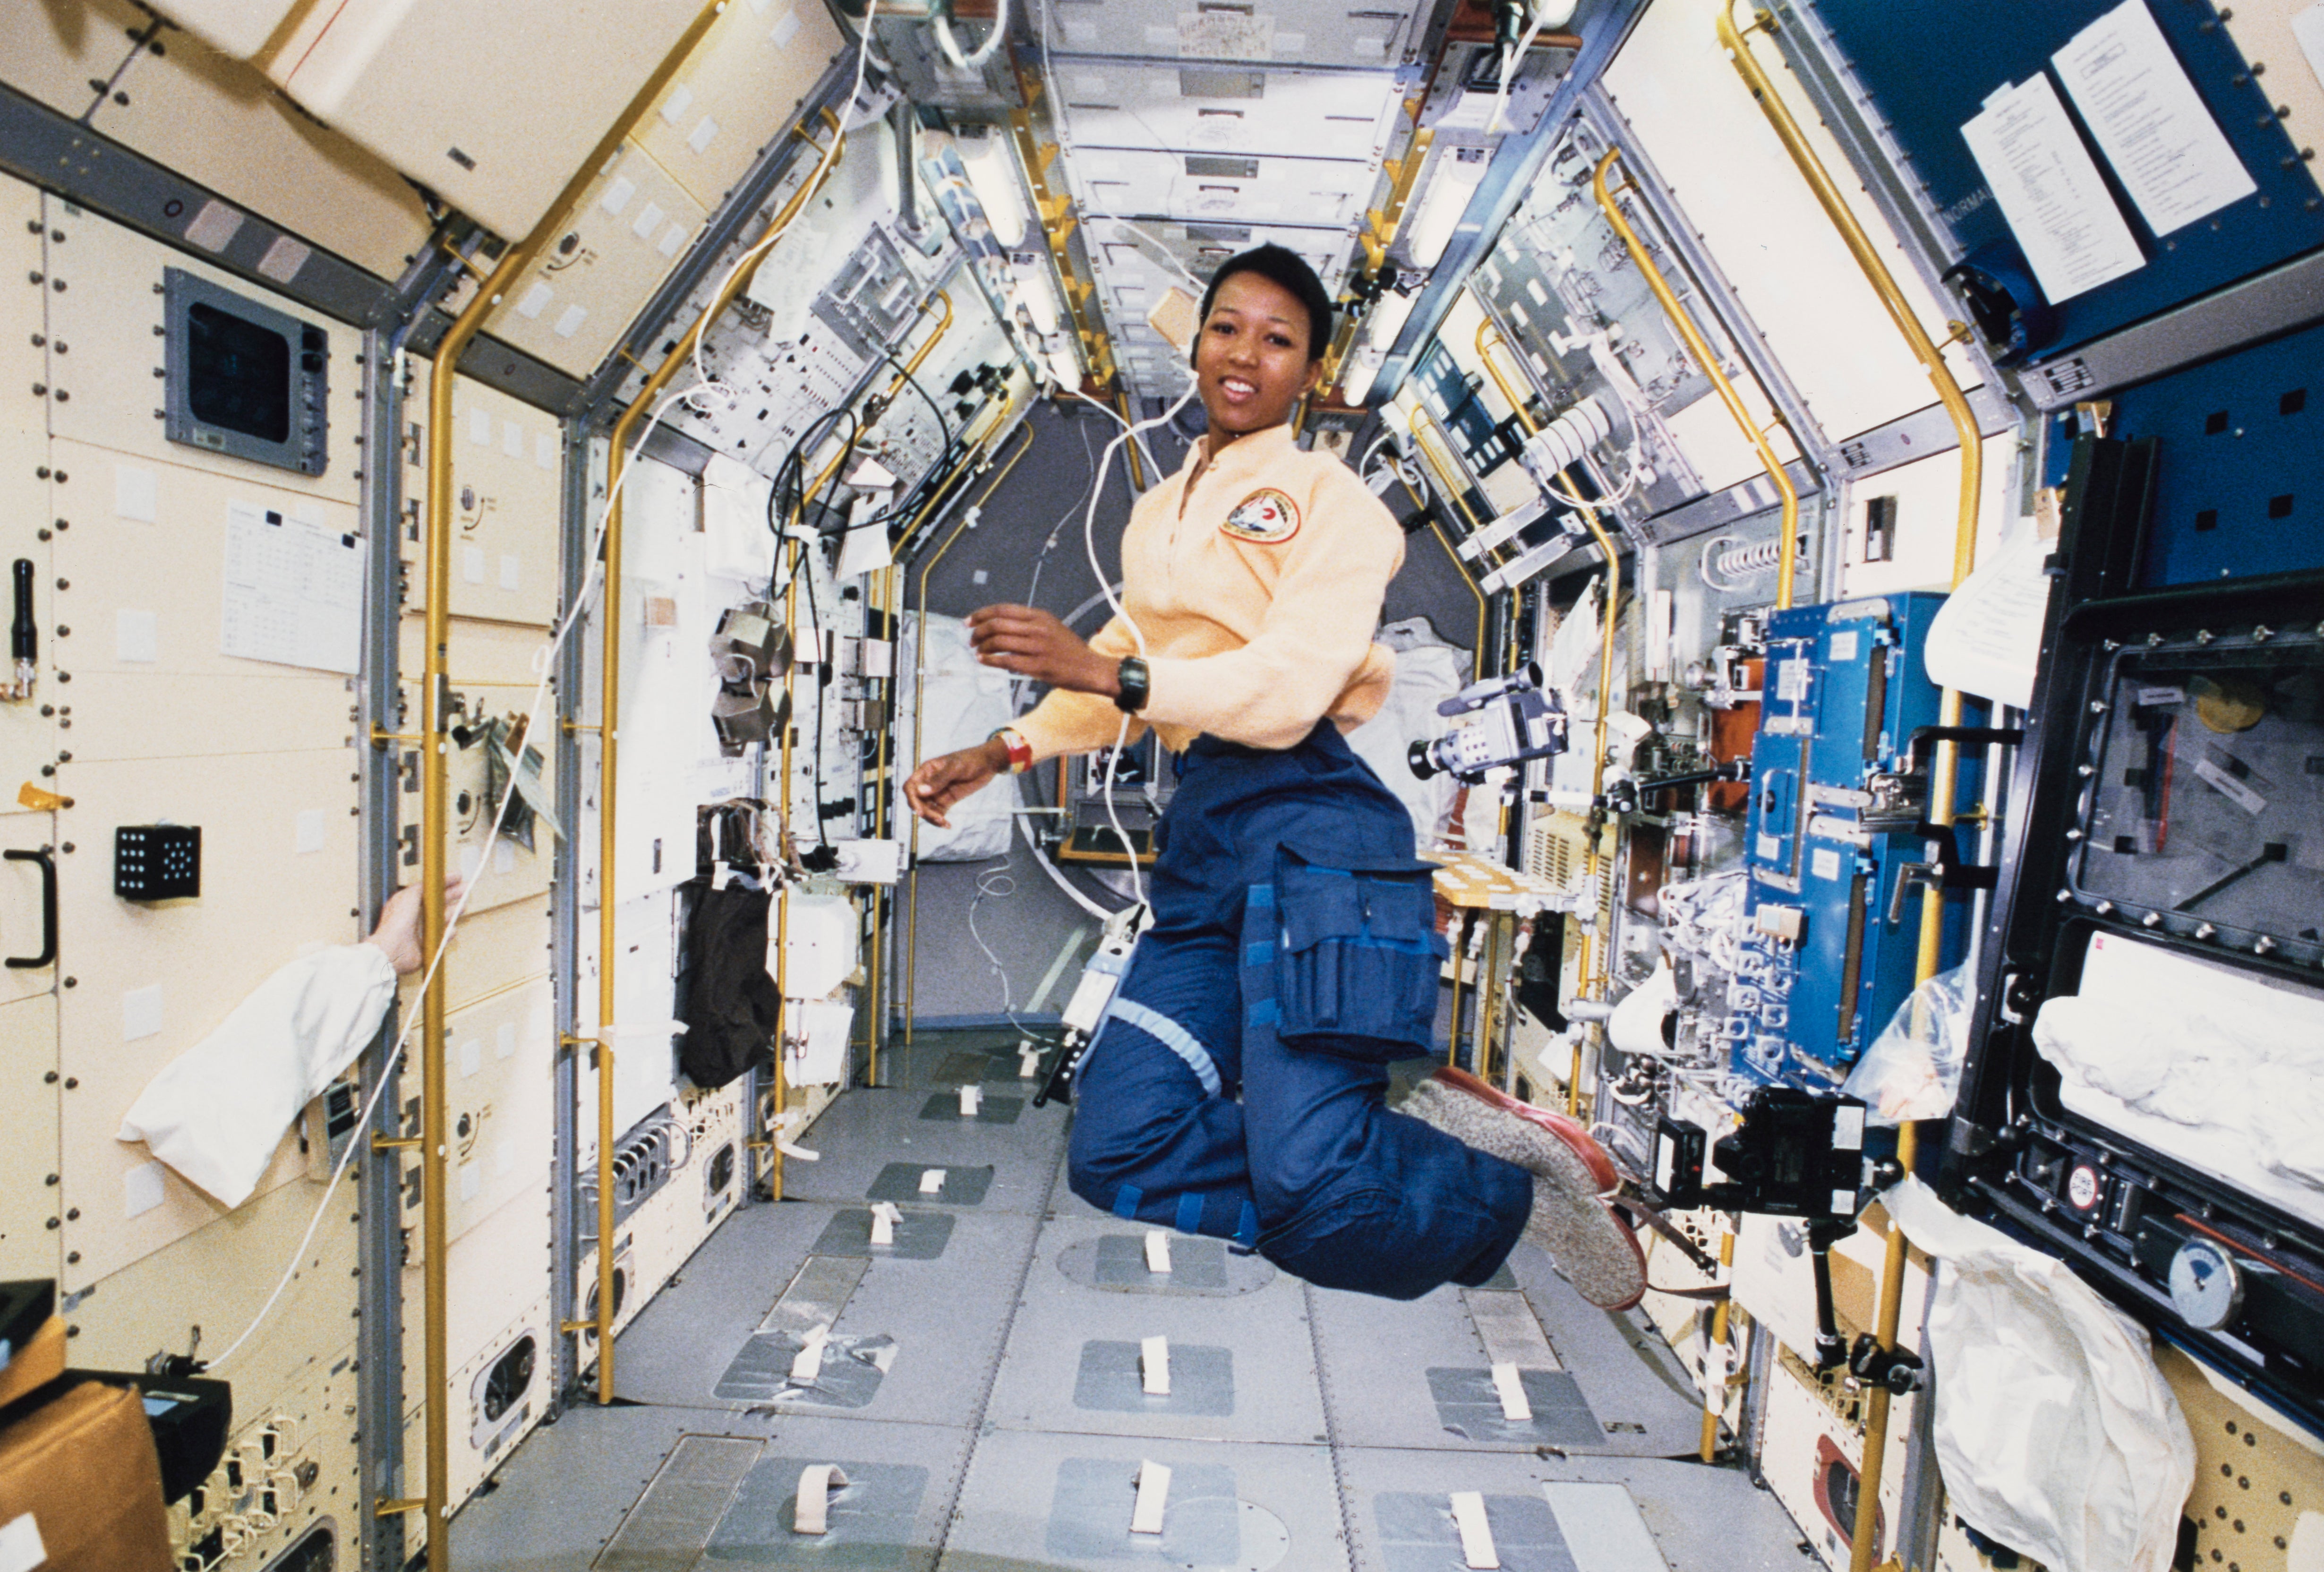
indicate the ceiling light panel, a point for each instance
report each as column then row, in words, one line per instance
column 1323, row 33
column 1337, row 115
column 1236, row 188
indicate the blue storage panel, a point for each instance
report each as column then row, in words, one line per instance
column 1929, row 66
column 1826, row 845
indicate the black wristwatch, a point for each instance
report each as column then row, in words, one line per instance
column 1135, row 684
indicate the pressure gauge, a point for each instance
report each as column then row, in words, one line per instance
column 2207, row 1286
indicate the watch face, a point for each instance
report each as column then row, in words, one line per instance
column 2207, row 1288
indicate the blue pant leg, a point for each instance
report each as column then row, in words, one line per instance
column 1158, row 1136
column 1350, row 1195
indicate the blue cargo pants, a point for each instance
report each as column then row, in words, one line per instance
column 1235, row 1087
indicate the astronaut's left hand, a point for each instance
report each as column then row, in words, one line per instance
column 1035, row 644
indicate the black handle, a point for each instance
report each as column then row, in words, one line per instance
column 47, row 954
column 22, row 632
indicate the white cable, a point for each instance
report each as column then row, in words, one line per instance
column 996, row 884
column 1089, row 543
column 1510, row 64
column 545, row 660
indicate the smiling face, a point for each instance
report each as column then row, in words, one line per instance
column 1251, row 359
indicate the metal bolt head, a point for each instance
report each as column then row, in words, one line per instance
column 2152, row 919
column 2204, row 635
column 2206, row 930
column 2263, row 633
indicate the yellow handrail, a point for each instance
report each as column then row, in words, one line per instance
column 1448, row 469
column 1944, row 765
column 1787, row 549
column 920, row 670
column 435, row 720
column 609, row 614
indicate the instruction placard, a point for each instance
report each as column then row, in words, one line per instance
column 293, row 591
column 2149, row 120
column 2050, row 189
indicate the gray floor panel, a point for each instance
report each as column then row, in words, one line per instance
column 865, row 1131
column 986, row 1294
column 888, row 1518
column 1275, row 1397
column 1631, row 1379
column 568, row 1488
column 1046, row 1501
column 667, row 1355
column 1700, row 1519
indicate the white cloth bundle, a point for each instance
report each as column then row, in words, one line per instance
column 218, row 1111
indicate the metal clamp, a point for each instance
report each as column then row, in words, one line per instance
column 1899, row 1370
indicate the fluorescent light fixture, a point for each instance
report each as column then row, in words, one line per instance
column 1454, row 174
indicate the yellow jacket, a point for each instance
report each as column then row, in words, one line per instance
column 1258, row 583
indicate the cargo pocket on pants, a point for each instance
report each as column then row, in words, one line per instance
column 1357, row 956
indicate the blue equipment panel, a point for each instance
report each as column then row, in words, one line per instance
column 1929, row 66
column 1830, row 946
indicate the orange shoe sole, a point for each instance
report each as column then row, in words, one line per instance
column 1567, row 1130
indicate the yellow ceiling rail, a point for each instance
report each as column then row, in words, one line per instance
column 609, row 616
column 1944, row 765
column 435, row 721
column 1788, row 547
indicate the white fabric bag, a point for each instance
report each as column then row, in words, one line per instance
column 218, row 1111
column 2056, row 1434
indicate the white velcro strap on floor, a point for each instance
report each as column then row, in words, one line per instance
column 932, row 1181
column 811, row 1514
column 809, row 1363
column 971, row 1099
column 1028, row 1061
column 884, row 1218
column 1510, row 1389
column 1154, row 1363
column 1476, row 1536
column 1153, row 1496
column 1157, row 1249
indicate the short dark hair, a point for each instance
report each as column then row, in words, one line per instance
column 1277, row 265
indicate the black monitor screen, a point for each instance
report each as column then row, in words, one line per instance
column 240, row 374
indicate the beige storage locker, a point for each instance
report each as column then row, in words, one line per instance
column 1812, row 1456
column 743, row 87
column 508, row 871
column 499, row 1090
column 216, row 1280
column 51, row 51
column 480, row 654
column 507, row 464
column 140, row 556
column 105, row 355
column 491, row 952
column 632, row 224
column 428, row 85
column 496, row 1296
column 219, row 122
column 144, row 983
column 32, row 1206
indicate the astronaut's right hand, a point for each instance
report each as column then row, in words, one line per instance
column 941, row 782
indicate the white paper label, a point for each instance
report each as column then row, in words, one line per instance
column 136, row 494
column 136, row 636
column 1848, row 1129
column 1843, row 646
column 1154, row 1365
column 1768, row 848
column 471, row 564
column 674, row 108
column 1477, row 1550
column 294, row 592
column 617, row 195
column 504, row 1040
column 2050, row 191
column 2228, row 787
column 705, row 131
column 648, row 220
column 1792, row 681
column 569, row 323
column 1509, row 1387
column 2308, row 27
column 21, row 1549
column 1153, row 1498
column 141, row 1189
column 534, row 301
column 313, row 827
column 512, row 569
column 480, row 427
column 2160, row 696
column 785, row 30
column 140, row 1012
column 2149, row 120
column 1824, row 863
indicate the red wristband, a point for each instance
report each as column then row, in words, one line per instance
column 1021, row 751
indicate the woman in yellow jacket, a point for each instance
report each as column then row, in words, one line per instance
column 1237, row 1085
